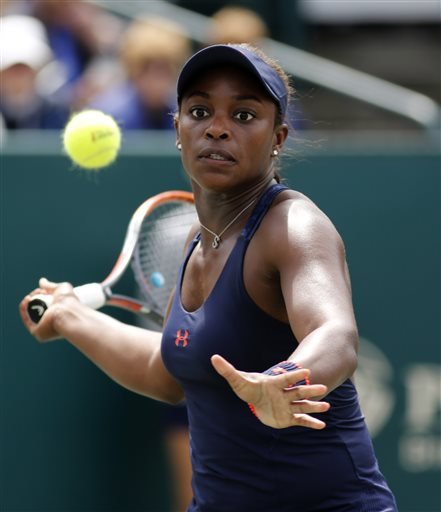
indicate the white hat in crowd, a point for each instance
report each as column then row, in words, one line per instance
column 23, row 40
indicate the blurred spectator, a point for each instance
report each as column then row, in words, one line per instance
column 78, row 33
column 13, row 7
column 234, row 24
column 4, row 7
column 24, row 55
column 103, row 74
column 152, row 52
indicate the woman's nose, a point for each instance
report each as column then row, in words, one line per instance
column 218, row 128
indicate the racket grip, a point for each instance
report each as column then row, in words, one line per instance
column 91, row 294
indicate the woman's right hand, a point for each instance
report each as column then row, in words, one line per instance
column 128, row 354
column 46, row 329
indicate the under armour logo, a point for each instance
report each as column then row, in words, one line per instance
column 181, row 338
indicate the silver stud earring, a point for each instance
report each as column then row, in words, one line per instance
column 179, row 146
column 275, row 152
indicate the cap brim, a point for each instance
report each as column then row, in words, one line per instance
column 218, row 55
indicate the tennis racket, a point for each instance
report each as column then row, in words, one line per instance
column 153, row 247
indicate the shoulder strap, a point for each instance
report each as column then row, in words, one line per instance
column 261, row 208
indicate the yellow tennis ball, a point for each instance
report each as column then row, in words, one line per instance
column 92, row 139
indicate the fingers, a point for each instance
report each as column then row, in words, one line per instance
column 245, row 385
column 222, row 366
column 297, row 414
column 299, row 406
column 304, row 420
column 278, row 401
column 47, row 285
column 292, row 378
column 55, row 289
column 308, row 406
column 234, row 378
column 306, row 391
column 43, row 331
column 281, row 415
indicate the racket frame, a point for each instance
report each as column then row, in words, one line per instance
column 101, row 293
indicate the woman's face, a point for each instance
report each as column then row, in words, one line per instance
column 226, row 126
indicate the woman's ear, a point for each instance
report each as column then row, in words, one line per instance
column 280, row 135
column 176, row 125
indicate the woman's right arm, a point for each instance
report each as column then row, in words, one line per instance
column 130, row 355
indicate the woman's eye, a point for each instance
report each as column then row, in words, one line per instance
column 244, row 116
column 199, row 112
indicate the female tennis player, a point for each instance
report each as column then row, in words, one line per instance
column 260, row 338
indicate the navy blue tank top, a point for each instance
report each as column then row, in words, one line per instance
column 239, row 464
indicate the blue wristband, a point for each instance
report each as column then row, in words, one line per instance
column 278, row 369
column 285, row 367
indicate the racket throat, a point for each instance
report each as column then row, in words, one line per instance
column 133, row 305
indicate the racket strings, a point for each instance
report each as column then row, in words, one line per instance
column 159, row 251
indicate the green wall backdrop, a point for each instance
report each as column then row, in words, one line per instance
column 73, row 441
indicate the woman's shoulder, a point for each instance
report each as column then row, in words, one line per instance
column 291, row 205
column 294, row 217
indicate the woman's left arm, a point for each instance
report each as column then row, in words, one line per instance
column 314, row 277
column 308, row 255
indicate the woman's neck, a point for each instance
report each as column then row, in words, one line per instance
column 217, row 209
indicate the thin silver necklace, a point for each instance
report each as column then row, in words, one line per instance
column 217, row 238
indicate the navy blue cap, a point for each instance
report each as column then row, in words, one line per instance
column 220, row 54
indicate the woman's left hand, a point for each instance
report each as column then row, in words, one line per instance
column 276, row 400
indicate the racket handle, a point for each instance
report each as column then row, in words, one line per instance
column 91, row 295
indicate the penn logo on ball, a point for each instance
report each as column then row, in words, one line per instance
column 92, row 139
